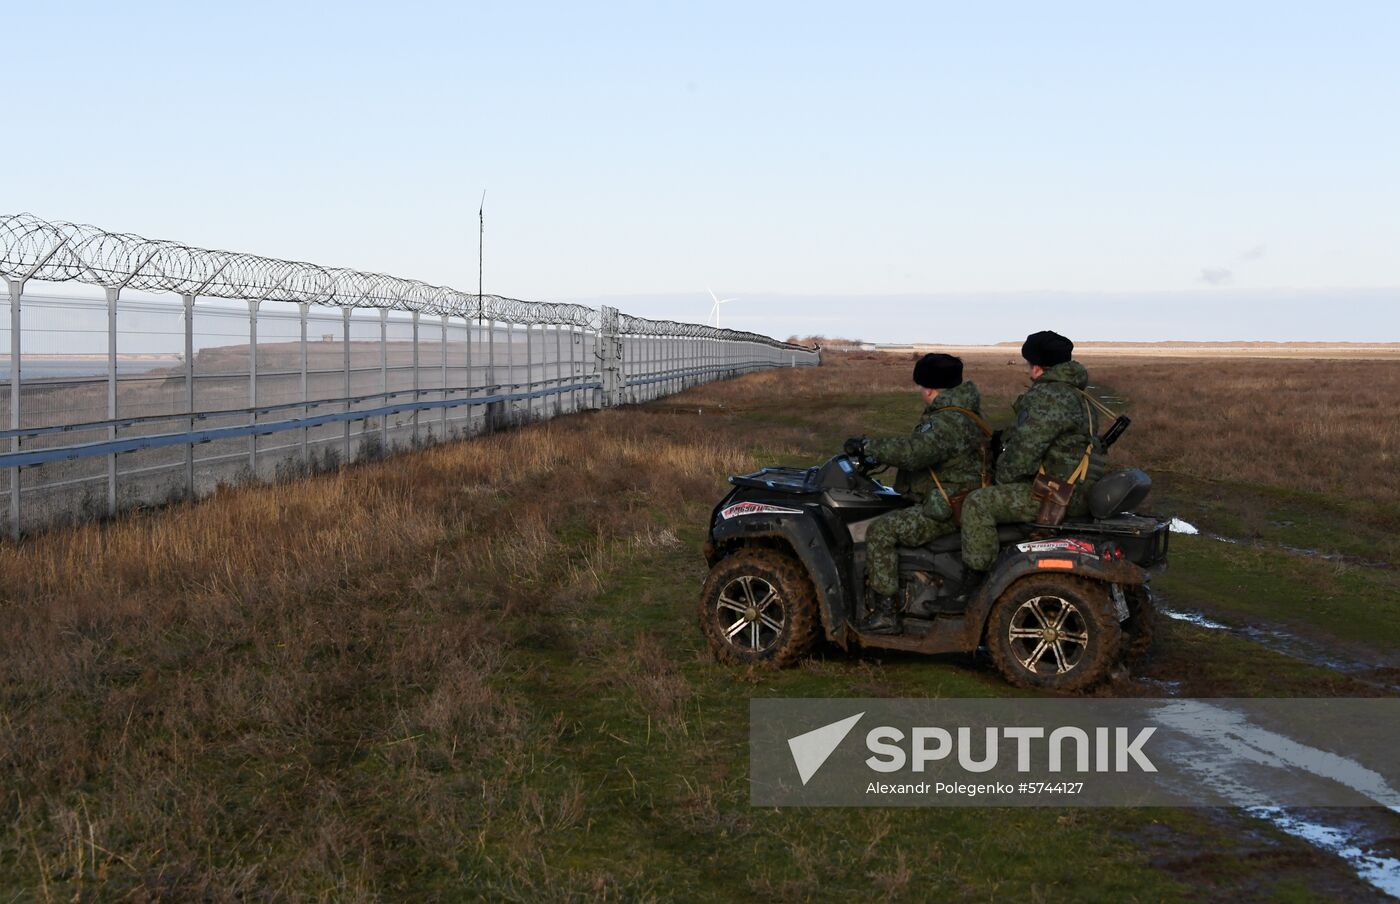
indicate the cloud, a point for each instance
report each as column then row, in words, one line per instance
column 1223, row 276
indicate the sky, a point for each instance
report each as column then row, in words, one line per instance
column 890, row 171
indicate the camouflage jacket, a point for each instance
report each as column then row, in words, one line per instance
column 946, row 441
column 1054, row 424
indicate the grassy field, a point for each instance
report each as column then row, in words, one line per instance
column 474, row 671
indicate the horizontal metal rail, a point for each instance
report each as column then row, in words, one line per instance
column 668, row 375
column 25, row 433
column 213, row 434
column 139, row 420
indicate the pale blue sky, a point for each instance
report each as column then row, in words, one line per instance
column 901, row 155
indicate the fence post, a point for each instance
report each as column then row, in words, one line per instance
column 444, row 372
column 495, row 411
column 513, row 379
column 305, row 310
column 575, row 338
column 416, row 383
column 471, row 377
column 345, row 322
column 610, row 358
column 384, row 378
column 112, row 296
column 253, row 387
column 187, row 300
column 16, row 287
column 558, row 369
column 529, row 372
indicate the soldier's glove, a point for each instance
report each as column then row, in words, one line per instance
column 855, row 447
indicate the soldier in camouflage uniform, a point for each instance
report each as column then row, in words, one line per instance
column 1054, row 426
column 948, row 442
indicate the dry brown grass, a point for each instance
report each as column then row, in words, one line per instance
column 1319, row 425
column 283, row 691
column 1327, row 426
column 314, row 690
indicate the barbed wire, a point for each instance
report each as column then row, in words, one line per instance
column 641, row 326
column 56, row 251
column 33, row 248
column 513, row 310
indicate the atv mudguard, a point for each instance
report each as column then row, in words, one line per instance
column 1015, row 565
column 817, row 553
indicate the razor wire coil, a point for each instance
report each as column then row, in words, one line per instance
column 33, row 248
column 56, row 251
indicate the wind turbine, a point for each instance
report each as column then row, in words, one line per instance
column 714, row 311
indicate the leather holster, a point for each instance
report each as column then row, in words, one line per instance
column 1054, row 497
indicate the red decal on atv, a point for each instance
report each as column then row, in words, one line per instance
column 754, row 508
column 1076, row 546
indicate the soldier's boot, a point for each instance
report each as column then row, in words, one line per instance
column 883, row 617
column 965, row 589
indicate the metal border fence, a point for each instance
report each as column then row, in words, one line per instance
column 231, row 367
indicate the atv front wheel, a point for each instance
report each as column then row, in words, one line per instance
column 759, row 608
column 1055, row 632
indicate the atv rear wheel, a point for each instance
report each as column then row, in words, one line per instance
column 758, row 608
column 1055, row 632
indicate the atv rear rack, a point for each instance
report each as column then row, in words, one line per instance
column 1144, row 539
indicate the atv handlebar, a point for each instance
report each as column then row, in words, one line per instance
column 863, row 465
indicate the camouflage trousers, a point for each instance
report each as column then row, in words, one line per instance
column 1005, row 503
column 906, row 527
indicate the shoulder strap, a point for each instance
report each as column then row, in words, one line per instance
column 973, row 416
column 1081, row 471
column 1096, row 403
column 938, row 483
column 986, row 431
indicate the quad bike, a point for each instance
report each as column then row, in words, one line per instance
column 1060, row 609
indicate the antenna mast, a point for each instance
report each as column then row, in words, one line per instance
column 480, row 261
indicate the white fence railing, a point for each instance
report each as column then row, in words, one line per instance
column 198, row 368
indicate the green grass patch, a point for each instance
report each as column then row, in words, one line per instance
column 1354, row 604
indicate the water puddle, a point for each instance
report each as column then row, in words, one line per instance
column 1380, row 872
column 1166, row 686
column 1186, row 528
column 1239, row 756
column 1290, row 645
column 1193, row 618
column 1355, row 843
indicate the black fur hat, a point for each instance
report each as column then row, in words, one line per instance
column 938, row 371
column 1047, row 349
